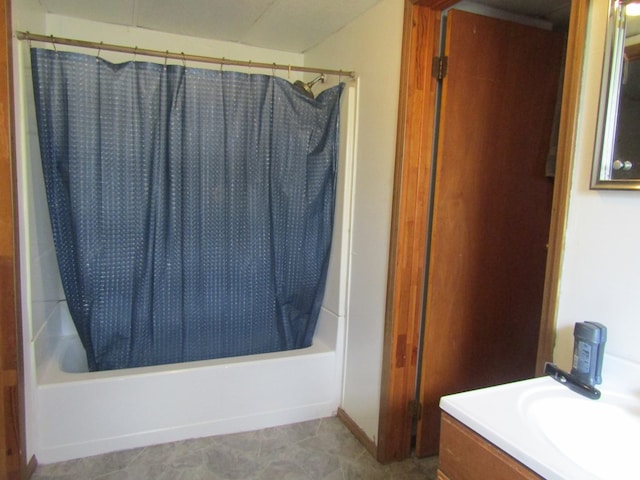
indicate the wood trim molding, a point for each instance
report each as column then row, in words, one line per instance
column 30, row 469
column 409, row 231
column 357, row 432
column 12, row 462
column 564, row 167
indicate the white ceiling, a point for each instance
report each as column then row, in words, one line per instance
column 289, row 25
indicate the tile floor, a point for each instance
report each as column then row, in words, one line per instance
column 317, row 450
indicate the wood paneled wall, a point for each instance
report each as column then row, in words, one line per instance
column 11, row 404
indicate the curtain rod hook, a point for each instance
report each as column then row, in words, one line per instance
column 135, row 53
column 184, row 60
column 98, row 55
column 273, row 69
column 289, row 73
column 222, row 63
column 53, row 42
column 166, row 56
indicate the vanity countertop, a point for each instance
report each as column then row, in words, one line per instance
column 556, row 432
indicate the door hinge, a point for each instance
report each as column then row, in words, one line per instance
column 415, row 410
column 439, row 67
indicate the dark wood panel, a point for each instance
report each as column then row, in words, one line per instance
column 11, row 407
column 492, row 208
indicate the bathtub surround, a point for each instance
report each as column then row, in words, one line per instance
column 47, row 328
column 192, row 209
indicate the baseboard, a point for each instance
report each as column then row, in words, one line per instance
column 360, row 434
column 30, row 469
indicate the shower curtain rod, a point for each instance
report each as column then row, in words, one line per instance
column 176, row 56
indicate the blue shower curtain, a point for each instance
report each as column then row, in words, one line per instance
column 191, row 209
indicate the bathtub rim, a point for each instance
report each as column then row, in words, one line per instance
column 52, row 373
column 51, row 342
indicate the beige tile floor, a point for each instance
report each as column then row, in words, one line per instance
column 317, row 450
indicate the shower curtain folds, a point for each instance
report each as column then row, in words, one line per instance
column 191, row 209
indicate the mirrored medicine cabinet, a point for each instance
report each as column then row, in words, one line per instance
column 617, row 151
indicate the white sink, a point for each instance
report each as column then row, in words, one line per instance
column 556, row 432
column 602, row 436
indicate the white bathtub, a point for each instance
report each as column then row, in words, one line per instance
column 81, row 414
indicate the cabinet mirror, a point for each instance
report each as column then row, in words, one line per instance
column 617, row 153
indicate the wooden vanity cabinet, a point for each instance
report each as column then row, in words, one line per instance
column 465, row 455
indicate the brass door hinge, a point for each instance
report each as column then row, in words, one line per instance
column 439, row 67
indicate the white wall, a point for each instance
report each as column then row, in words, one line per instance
column 371, row 46
column 61, row 26
column 39, row 293
column 600, row 279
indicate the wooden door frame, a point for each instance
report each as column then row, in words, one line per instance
column 410, row 213
column 12, row 410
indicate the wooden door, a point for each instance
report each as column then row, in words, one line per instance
column 491, row 210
